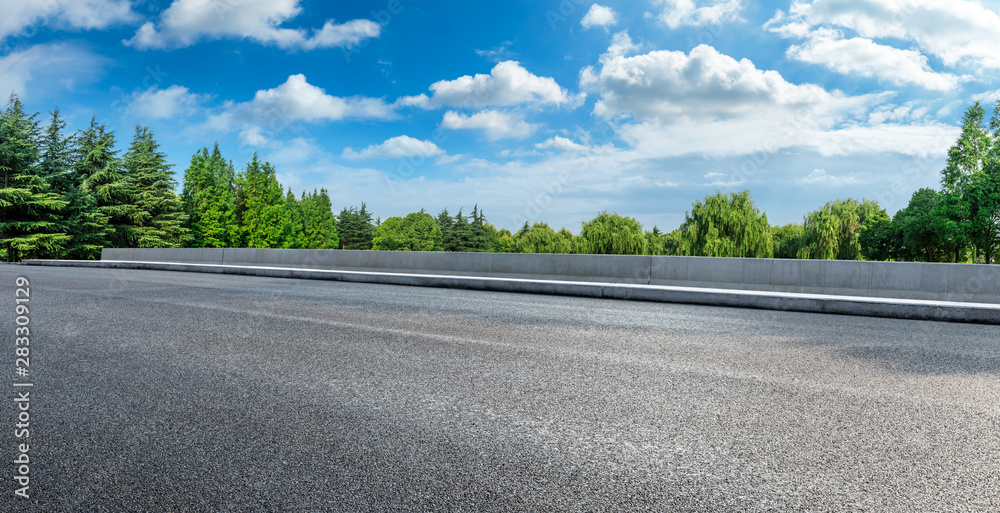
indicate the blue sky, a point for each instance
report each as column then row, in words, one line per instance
column 534, row 110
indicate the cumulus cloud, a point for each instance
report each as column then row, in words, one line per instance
column 188, row 21
column 42, row 67
column 864, row 57
column 508, row 84
column 298, row 100
column 18, row 15
column 673, row 104
column 959, row 32
column 172, row 102
column 599, row 16
column 678, row 13
column 496, row 125
column 702, row 85
column 396, row 147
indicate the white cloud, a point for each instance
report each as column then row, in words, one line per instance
column 18, row 15
column 677, row 13
column 172, row 102
column 820, row 177
column 496, row 125
column 703, row 85
column 867, row 58
column 508, row 84
column 274, row 110
column 396, row 147
column 298, row 100
column 959, row 32
column 38, row 68
column 187, row 21
column 705, row 103
column 599, row 16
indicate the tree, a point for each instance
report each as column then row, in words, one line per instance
column 541, row 238
column 417, row 231
column 727, row 226
column 503, row 241
column 355, row 228
column 101, row 174
column 833, row 231
column 319, row 227
column 295, row 230
column 87, row 228
column 788, row 240
column 876, row 238
column 966, row 156
column 30, row 213
column 264, row 221
column 160, row 221
column 210, row 202
column 612, row 234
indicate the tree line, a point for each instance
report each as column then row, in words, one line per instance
column 67, row 196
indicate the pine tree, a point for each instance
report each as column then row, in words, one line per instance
column 320, row 227
column 264, row 221
column 295, row 231
column 159, row 220
column 209, row 201
column 30, row 213
column 355, row 228
column 101, row 174
column 87, row 228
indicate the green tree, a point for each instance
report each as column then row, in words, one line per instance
column 727, row 226
column 876, row 238
column 541, row 238
column 264, row 221
column 833, row 231
column 102, row 175
column 319, row 226
column 295, row 230
column 355, row 228
column 159, row 221
column 87, row 228
column 210, row 202
column 503, row 241
column 417, row 231
column 788, row 240
column 30, row 212
column 613, row 234
column 916, row 223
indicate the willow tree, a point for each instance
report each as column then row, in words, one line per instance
column 613, row 234
column 727, row 225
column 833, row 231
column 541, row 238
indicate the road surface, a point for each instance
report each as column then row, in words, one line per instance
column 159, row 391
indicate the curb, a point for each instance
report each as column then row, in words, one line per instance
column 982, row 313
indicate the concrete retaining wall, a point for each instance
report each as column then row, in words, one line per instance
column 900, row 280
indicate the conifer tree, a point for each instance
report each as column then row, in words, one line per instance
column 101, row 174
column 87, row 228
column 264, row 219
column 30, row 212
column 209, row 201
column 159, row 220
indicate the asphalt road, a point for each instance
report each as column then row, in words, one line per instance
column 158, row 391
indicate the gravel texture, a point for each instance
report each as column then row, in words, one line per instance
column 163, row 391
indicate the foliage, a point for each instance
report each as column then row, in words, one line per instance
column 210, row 202
column 727, row 226
column 417, row 231
column 788, row 240
column 30, row 213
column 612, row 234
column 355, row 228
column 264, row 221
column 159, row 220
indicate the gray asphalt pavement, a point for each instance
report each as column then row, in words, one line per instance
column 158, row 391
